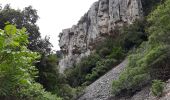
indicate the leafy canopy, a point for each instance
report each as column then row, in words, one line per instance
column 26, row 18
column 17, row 72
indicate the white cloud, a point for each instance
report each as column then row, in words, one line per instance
column 55, row 15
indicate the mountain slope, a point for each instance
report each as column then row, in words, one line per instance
column 101, row 88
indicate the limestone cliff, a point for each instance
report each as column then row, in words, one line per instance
column 101, row 20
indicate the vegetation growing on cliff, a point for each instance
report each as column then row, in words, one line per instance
column 151, row 60
column 29, row 70
column 108, row 54
column 149, row 5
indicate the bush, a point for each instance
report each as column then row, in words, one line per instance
column 133, row 35
column 17, row 72
column 157, row 87
column 137, row 73
column 101, row 67
column 105, row 45
column 35, row 92
column 151, row 55
column 104, row 52
column 76, row 75
column 66, row 92
column 117, row 53
column 149, row 5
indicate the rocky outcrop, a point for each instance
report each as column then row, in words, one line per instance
column 102, row 19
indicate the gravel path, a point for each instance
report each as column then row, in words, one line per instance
column 101, row 89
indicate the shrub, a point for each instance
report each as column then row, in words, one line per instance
column 149, row 56
column 66, row 92
column 104, row 52
column 105, row 45
column 100, row 69
column 17, row 72
column 137, row 73
column 35, row 92
column 157, row 87
column 133, row 35
column 117, row 53
column 76, row 75
column 149, row 5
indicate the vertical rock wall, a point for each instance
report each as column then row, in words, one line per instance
column 101, row 20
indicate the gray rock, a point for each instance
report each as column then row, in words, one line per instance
column 101, row 20
column 102, row 88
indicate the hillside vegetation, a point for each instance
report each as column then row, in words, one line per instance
column 150, row 61
column 29, row 70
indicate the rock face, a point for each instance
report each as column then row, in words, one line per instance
column 101, row 20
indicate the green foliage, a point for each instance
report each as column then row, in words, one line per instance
column 10, row 29
column 137, row 73
column 36, row 92
column 51, row 79
column 76, row 76
column 149, row 5
column 16, row 70
column 114, row 50
column 105, row 46
column 26, row 18
column 101, row 67
column 133, row 35
column 108, row 53
column 157, row 87
column 49, row 75
column 104, row 52
column 65, row 91
column 117, row 53
column 151, row 55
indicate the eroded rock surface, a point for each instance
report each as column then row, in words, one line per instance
column 101, row 20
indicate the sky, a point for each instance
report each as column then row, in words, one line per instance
column 55, row 15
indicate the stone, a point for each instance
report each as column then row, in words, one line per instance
column 101, row 89
column 100, row 20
